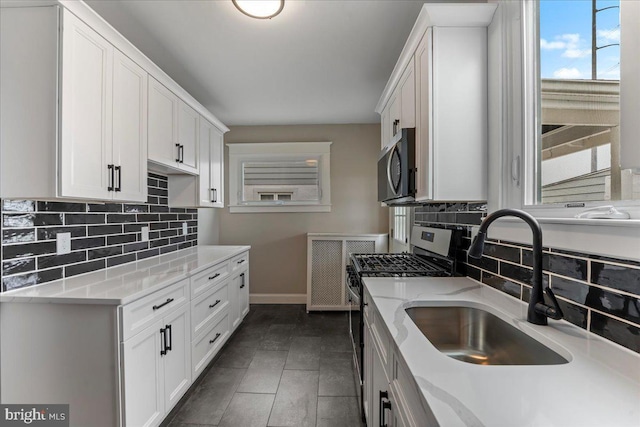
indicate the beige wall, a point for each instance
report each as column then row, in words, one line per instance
column 278, row 254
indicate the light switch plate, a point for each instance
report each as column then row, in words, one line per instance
column 63, row 243
column 144, row 234
column 184, row 228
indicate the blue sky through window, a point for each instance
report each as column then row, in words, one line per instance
column 565, row 39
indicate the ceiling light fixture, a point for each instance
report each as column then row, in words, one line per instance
column 259, row 9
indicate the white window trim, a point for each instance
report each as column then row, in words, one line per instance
column 512, row 95
column 239, row 152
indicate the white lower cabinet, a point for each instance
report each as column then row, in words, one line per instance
column 239, row 297
column 157, row 368
column 390, row 395
column 122, row 365
column 143, row 378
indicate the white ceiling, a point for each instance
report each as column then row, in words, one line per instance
column 318, row 62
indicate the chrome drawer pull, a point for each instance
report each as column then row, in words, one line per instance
column 214, row 276
column 156, row 307
column 214, row 304
column 214, row 340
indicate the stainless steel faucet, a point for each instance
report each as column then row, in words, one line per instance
column 538, row 311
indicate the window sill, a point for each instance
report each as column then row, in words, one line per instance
column 279, row 208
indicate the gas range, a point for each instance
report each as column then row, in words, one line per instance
column 394, row 265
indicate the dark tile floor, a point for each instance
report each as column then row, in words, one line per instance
column 282, row 367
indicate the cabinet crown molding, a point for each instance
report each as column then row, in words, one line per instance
column 436, row 15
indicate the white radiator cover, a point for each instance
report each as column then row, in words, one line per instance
column 327, row 258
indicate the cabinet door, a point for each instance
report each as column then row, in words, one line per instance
column 85, row 150
column 163, row 119
column 379, row 385
column 423, row 118
column 177, row 361
column 367, row 367
column 395, row 112
column 243, row 291
column 385, row 126
column 188, row 130
column 234, row 302
column 408, row 97
column 143, row 378
column 205, row 189
column 217, row 167
column 129, row 129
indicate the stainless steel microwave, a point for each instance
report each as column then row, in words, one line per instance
column 397, row 170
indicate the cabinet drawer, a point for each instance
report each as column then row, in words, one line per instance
column 207, row 344
column 211, row 276
column 239, row 262
column 139, row 314
column 208, row 306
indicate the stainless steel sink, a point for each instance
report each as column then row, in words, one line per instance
column 476, row 336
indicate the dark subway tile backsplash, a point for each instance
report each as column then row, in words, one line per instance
column 102, row 235
column 597, row 293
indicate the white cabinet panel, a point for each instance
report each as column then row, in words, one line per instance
column 216, row 161
column 143, row 378
column 163, row 118
column 129, row 128
column 188, row 130
column 177, row 361
column 173, row 130
column 85, row 150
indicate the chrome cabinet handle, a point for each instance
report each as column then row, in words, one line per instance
column 214, row 340
column 178, row 159
column 214, row 276
column 214, row 304
column 242, row 277
column 214, row 195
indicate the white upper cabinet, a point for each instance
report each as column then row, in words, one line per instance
column 439, row 86
column 86, row 169
column 188, row 120
column 129, row 133
column 83, row 110
column 68, row 138
column 207, row 189
column 163, row 125
column 400, row 111
column 173, row 130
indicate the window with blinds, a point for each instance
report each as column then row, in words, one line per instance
column 295, row 180
column 279, row 177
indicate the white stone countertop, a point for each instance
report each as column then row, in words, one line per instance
column 127, row 282
column 600, row 386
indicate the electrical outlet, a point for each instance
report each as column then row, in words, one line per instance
column 63, row 243
column 144, row 234
column 184, row 228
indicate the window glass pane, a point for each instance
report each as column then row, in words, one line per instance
column 295, row 180
column 578, row 156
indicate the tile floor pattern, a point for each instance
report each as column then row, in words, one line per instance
column 283, row 367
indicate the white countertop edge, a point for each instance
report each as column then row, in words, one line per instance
column 462, row 394
column 174, row 265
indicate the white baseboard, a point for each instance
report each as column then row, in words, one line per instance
column 278, row 298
